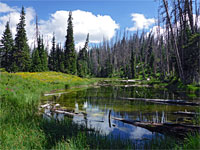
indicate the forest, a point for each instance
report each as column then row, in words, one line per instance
column 173, row 53
column 139, row 90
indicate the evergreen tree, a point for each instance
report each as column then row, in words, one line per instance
column 108, row 69
column 132, row 63
column 39, row 57
column 70, row 54
column 82, row 61
column 36, row 62
column 52, row 56
column 21, row 55
column 6, row 49
column 43, row 56
column 59, row 59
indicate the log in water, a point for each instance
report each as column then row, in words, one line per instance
column 173, row 129
column 163, row 101
column 186, row 113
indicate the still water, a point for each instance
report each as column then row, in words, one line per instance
column 99, row 104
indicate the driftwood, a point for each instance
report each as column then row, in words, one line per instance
column 121, row 80
column 51, row 94
column 132, row 85
column 109, row 118
column 186, row 113
column 163, row 101
column 65, row 112
column 126, row 81
column 45, row 106
column 178, row 130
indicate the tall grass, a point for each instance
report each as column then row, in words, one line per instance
column 20, row 124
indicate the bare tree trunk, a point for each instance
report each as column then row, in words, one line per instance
column 167, row 51
column 175, row 43
column 190, row 15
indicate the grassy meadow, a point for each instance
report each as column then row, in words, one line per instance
column 22, row 127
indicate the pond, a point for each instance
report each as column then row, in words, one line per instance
column 99, row 104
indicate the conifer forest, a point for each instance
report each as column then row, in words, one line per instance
column 162, row 55
column 138, row 90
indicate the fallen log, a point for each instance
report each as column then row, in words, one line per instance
column 121, row 80
column 51, row 94
column 163, row 101
column 178, row 130
column 186, row 113
column 132, row 85
column 126, row 80
column 45, row 105
column 65, row 112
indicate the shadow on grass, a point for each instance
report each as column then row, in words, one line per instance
column 67, row 134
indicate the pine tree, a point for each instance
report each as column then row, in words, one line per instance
column 70, row 54
column 52, row 56
column 21, row 55
column 59, row 59
column 36, row 62
column 39, row 57
column 43, row 56
column 132, row 63
column 6, row 49
column 82, row 61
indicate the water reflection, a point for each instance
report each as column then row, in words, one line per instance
column 98, row 104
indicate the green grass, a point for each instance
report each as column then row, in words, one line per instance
column 19, row 99
column 22, row 127
column 191, row 142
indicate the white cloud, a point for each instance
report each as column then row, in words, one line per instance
column 196, row 20
column 139, row 133
column 98, row 26
column 162, row 29
column 13, row 17
column 157, row 30
column 5, row 8
column 141, row 22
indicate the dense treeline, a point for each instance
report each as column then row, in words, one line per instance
column 173, row 51
column 16, row 56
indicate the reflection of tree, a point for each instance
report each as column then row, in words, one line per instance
column 106, row 98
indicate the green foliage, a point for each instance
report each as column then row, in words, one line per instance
column 70, row 54
column 39, row 57
column 6, row 51
column 21, row 53
column 60, row 59
column 2, row 70
column 190, row 142
column 133, row 65
column 52, row 56
column 36, row 62
column 56, row 58
column 82, row 60
column 191, row 57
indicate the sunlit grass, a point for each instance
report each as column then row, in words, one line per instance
column 53, row 78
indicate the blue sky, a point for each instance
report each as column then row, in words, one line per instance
column 111, row 15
